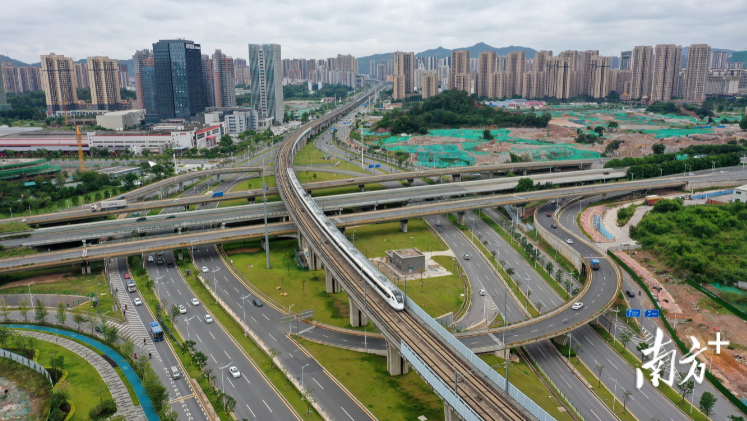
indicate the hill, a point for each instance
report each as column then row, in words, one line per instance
column 441, row 52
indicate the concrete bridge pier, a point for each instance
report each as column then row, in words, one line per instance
column 461, row 217
column 251, row 200
column 223, row 225
column 455, row 178
column 181, row 186
column 604, row 196
column 361, row 187
column 411, row 182
column 301, row 241
column 357, row 317
column 332, row 286
column 315, row 262
column 524, row 172
column 520, row 210
column 396, row 364
column 218, row 178
column 403, row 225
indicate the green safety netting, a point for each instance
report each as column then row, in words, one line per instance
column 367, row 132
column 664, row 133
column 437, row 156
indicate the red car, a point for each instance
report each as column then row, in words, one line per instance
column 127, row 276
column 549, row 214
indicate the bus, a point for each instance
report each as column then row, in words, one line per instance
column 131, row 286
column 156, row 332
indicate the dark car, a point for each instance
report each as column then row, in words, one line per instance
column 171, row 265
column 141, row 219
column 630, row 293
column 554, row 226
column 606, row 173
column 257, row 303
column 99, row 328
column 171, row 217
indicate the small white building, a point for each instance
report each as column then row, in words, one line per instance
column 121, row 120
column 740, row 194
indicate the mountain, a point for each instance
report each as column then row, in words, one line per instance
column 17, row 63
column 441, row 52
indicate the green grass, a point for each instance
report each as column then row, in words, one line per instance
column 521, row 376
column 71, row 282
column 624, row 214
column 86, row 386
column 251, row 184
column 439, row 295
column 374, row 240
column 391, row 398
column 309, row 155
column 308, row 177
column 668, row 391
column 13, row 227
column 61, row 205
column 16, row 251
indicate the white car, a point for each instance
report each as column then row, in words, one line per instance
column 137, row 301
column 234, row 372
column 482, row 292
column 195, row 302
column 182, row 309
column 205, row 269
column 466, row 257
column 569, row 241
column 577, row 306
column 208, row 319
column 722, row 172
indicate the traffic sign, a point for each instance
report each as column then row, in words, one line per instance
column 370, row 166
column 378, row 165
column 651, row 313
column 631, row 312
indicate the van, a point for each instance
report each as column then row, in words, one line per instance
column 175, row 374
column 150, row 259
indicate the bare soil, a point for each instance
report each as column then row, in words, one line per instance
column 244, row 250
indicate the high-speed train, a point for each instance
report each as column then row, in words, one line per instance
column 372, row 276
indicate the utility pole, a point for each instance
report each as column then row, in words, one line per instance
column 267, row 234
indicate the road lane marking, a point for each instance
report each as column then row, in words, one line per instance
column 613, row 365
column 273, row 337
column 268, row 319
column 250, row 410
column 198, row 338
column 268, row 406
column 317, row 383
column 346, row 413
column 211, row 356
column 211, row 334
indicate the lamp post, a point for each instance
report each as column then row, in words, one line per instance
column 302, row 387
column 614, row 397
column 187, row 321
column 243, row 307
column 223, row 376
column 214, row 281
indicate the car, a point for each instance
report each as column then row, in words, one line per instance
column 170, row 264
column 606, row 173
column 171, row 217
column 159, row 261
column 195, row 302
column 160, row 253
column 548, row 214
column 127, row 276
column 554, row 226
column 257, row 303
column 182, row 309
column 692, row 173
column 150, row 259
column 234, row 372
column 569, row 241
column 466, row 257
column 629, row 293
column 205, row 269
column 141, row 219
column 177, row 200
column 482, row 292
column 577, row 306
column 99, row 328
column 722, row 172
column 137, row 301
column 208, row 319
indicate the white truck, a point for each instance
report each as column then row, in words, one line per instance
column 109, row 205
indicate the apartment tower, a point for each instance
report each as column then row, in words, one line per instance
column 145, row 84
column 208, row 82
column 666, row 69
column 404, row 75
column 223, row 79
column 267, row 80
column 515, row 68
column 58, row 83
column 696, row 72
column 642, row 70
column 103, row 74
column 486, row 63
column 625, row 58
column 3, row 99
column 599, row 76
column 81, row 75
column 29, row 78
column 430, row 85
column 460, row 77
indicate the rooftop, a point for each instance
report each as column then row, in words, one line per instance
column 120, row 113
column 411, row 252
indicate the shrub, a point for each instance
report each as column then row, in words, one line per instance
column 109, row 406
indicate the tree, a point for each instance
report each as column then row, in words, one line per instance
column 568, row 284
column 625, row 337
column 40, row 312
column 75, row 200
column 157, row 393
column 308, row 396
column 525, row 184
column 274, row 353
column 706, row 403
column 612, row 125
column 529, row 293
column 599, row 130
column 549, row 268
column 734, row 418
column 111, row 333
column 538, row 304
column 6, row 334
column 640, row 348
column 743, row 122
column 174, row 313
column 4, row 309
column 61, row 316
column 626, row 398
column 658, row 148
column 229, row 403
column 599, row 368
column 685, row 387
column 487, row 135
column 511, row 272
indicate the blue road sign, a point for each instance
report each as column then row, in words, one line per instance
column 370, row 166
column 378, row 165
column 631, row 312
column 651, row 313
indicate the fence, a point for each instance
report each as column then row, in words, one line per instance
column 714, row 194
column 25, row 361
column 600, row 227
column 481, row 365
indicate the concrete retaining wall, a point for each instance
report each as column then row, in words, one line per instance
column 49, row 300
column 567, row 251
column 704, row 184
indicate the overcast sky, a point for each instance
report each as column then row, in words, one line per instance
column 324, row 28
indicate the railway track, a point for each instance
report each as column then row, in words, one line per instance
column 478, row 392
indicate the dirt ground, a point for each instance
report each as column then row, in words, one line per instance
column 244, row 250
column 41, row 279
column 730, row 366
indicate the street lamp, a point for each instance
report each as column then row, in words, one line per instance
column 244, row 307
column 214, row 281
column 614, row 397
column 187, row 321
column 222, row 376
column 302, row 375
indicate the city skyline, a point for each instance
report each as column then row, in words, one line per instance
column 609, row 29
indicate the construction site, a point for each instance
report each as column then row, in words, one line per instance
column 636, row 132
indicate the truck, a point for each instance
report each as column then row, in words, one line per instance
column 131, row 286
column 650, row 200
column 109, row 205
column 595, row 264
column 218, row 194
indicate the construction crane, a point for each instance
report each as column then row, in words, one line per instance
column 79, row 138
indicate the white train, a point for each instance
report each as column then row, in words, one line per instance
column 372, row 276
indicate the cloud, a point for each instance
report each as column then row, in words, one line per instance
column 323, row 28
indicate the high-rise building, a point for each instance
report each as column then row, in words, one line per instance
column 347, row 63
column 541, row 58
column 103, row 74
column 224, row 89
column 739, row 57
column 381, row 72
column 666, row 68
column 267, row 80
column 625, row 58
column 561, row 76
column 430, row 85
column 642, row 69
column 179, row 87
column 696, row 72
column 599, row 77
column 516, row 62
column 124, row 76
column 372, row 68
column 620, row 81
column 9, row 77
column 240, row 71
column 615, row 62
column 460, row 77
column 29, row 78
column 533, row 85
column 499, row 85
column 3, row 99
column 501, row 64
column 207, row 80
column 81, row 75
column 58, row 83
column 404, row 74
column 585, row 77
column 718, row 60
column 145, row 84
column 486, row 62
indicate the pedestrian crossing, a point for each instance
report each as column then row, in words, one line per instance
column 134, row 328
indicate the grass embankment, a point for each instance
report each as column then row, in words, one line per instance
column 251, row 184
column 310, row 155
column 312, row 176
column 67, row 281
column 668, row 391
column 31, row 382
column 521, row 376
column 16, row 251
column 624, row 214
column 8, row 227
column 392, row 398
